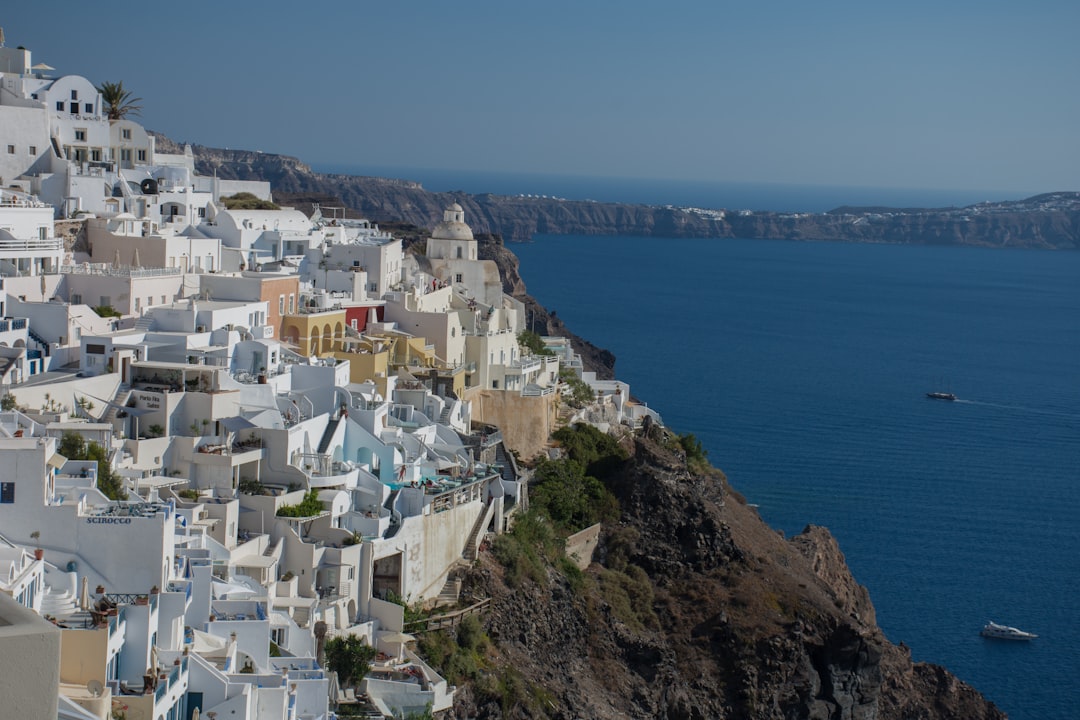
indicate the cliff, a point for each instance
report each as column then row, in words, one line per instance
column 696, row 609
column 1050, row 221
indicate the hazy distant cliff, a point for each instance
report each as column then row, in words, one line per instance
column 1049, row 221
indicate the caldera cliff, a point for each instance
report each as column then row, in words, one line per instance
column 1049, row 221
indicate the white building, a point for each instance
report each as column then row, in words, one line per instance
column 28, row 245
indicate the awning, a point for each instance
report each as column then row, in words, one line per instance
column 207, row 644
column 56, row 461
column 236, row 424
column 223, row 590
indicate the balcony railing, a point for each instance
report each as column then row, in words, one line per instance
column 13, row 324
column 33, row 245
column 121, row 271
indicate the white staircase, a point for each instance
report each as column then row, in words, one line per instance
column 59, row 603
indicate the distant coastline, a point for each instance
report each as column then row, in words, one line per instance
column 713, row 194
column 1048, row 221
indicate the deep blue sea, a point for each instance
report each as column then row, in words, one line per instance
column 802, row 367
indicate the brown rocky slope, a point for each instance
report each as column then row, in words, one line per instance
column 741, row 624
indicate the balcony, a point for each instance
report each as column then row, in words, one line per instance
column 10, row 324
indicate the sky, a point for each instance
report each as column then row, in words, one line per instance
column 949, row 95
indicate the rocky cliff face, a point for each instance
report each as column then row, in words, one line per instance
column 746, row 624
column 1036, row 223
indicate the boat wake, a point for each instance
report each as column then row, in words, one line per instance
column 1019, row 408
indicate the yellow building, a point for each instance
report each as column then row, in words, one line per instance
column 315, row 333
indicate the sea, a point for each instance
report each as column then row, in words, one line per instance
column 803, row 368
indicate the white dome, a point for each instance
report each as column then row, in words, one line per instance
column 453, row 226
column 452, row 231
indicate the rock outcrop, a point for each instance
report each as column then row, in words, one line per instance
column 746, row 624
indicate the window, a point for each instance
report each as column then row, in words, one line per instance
column 80, row 135
column 74, row 108
column 458, row 278
column 80, row 154
column 137, row 304
column 43, row 233
column 459, row 253
column 11, row 149
column 162, row 299
column 74, row 94
column 95, row 154
column 281, row 304
column 142, row 156
column 292, row 302
column 125, row 155
column 126, row 133
column 60, row 106
column 33, row 149
column 76, row 299
column 202, row 212
column 88, row 108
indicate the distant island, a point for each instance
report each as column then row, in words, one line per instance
column 1047, row 221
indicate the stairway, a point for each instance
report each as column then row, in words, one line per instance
column 301, row 615
column 145, row 323
column 450, row 594
column 119, row 399
column 45, row 346
column 444, row 417
column 504, row 462
column 472, row 551
column 60, row 604
column 328, row 435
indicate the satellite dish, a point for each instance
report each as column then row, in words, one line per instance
column 95, row 688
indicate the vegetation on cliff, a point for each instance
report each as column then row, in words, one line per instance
column 691, row 608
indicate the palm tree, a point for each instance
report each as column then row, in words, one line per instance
column 119, row 103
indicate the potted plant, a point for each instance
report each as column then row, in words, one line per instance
column 38, row 552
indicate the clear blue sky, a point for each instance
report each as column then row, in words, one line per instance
column 953, row 95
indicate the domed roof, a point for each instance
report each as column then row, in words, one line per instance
column 453, row 226
column 452, row 230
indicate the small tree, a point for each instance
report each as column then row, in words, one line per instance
column 350, row 657
column 119, row 103
column 74, row 447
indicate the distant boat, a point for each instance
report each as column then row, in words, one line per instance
column 940, row 396
column 1004, row 632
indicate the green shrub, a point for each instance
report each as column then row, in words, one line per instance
column 533, row 342
column 575, row 578
column 74, row 447
column 630, row 595
column 308, row 507
column 528, row 548
column 247, row 201
column 350, row 657
column 580, row 393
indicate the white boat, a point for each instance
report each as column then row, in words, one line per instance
column 1004, row 632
